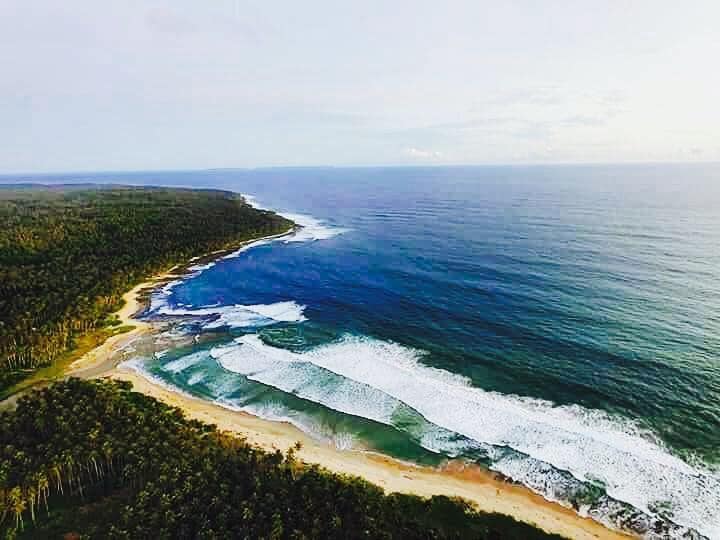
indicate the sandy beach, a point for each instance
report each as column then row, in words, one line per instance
column 473, row 483
column 102, row 359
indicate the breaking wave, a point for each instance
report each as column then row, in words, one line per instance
column 311, row 228
column 240, row 316
column 373, row 379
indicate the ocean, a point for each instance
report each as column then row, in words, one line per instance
column 557, row 324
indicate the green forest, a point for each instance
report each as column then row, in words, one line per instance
column 68, row 254
column 93, row 459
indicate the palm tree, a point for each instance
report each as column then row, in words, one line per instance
column 17, row 503
column 31, row 495
column 43, row 487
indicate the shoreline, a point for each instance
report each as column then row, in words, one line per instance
column 480, row 486
column 100, row 360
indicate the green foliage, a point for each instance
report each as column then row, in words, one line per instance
column 68, row 254
column 96, row 459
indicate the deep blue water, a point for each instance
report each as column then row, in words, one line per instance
column 560, row 324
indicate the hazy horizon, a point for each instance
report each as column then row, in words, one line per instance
column 180, row 86
column 11, row 174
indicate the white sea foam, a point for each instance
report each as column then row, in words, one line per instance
column 592, row 446
column 137, row 364
column 277, row 412
column 201, row 267
column 241, row 316
column 165, row 289
column 247, row 247
column 288, row 372
column 133, row 364
column 279, row 311
column 184, row 362
column 343, row 441
column 311, row 229
column 196, row 378
column 224, row 387
column 252, row 201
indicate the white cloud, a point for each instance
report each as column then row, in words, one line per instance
column 423, row 154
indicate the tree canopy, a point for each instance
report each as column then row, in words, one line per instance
column 69, row 253
column 97, row 459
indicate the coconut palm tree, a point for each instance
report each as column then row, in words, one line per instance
column 16, row 502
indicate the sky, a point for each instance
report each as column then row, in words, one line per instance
column 181, row 84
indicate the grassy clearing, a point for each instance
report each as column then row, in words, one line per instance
column 57, row 369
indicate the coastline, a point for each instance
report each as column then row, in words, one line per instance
column 101, row 360
column 473, row 483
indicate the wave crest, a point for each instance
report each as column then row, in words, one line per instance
column 372, row 378
column 241, row 316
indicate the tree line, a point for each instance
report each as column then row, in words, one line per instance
column 68, row 254
column 93, row 459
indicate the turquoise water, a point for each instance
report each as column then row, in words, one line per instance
column 559, row 324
